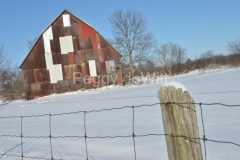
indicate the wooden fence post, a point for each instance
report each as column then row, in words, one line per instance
column 180, row 120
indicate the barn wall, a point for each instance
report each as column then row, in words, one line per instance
column 69, row 46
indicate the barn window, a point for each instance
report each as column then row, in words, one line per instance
column 92, row 68
column 66, row 20
column 110, row 66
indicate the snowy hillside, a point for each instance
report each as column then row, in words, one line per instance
column 221, row 123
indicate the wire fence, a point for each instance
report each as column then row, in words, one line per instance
column 133, row 135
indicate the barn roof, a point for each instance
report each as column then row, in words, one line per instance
column 64, row 11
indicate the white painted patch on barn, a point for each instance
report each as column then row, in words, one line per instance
column 92, row 68
column 66, row 20
column 55, row 71
column 47, row 36
column 49, row 60
column 66, row 44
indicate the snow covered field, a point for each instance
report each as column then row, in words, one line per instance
column 221, row 123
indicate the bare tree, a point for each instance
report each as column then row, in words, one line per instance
column 181, row 57
column 147, row 67
column 30, row 43
column 131, row 37
column 208, row 54
column 169, row 54
column 206, row 60
column 4, row 66
column 165, row 58
column 11, row 84
column 234, row 46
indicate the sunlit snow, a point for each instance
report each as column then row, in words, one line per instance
column 221, row 123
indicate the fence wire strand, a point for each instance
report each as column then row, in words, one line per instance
column 85, row 134
column 133, row 136
column 50, row 135
column 21, row 139
column 191, row 139
column 100, row 110
column 204, row 134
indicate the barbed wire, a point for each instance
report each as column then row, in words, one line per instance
column 133, row 135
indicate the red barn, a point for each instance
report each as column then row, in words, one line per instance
column 69, row 55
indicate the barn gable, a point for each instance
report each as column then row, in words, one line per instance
column 67, row 48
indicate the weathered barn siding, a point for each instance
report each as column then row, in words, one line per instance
column 67, row 46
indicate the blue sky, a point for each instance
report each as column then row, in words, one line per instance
column 197, row 26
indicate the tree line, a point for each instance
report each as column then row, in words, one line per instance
column 142, row 54
column 205, row 62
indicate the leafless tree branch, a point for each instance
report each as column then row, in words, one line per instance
column 131, row 37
